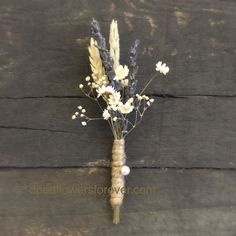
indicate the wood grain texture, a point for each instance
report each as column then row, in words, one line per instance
column 43, row 44
column 52, row 201
column 184, row 150
column 183, row 132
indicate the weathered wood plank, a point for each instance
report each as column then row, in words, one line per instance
column 182, row 203
column 39, row 55
column 182, row 132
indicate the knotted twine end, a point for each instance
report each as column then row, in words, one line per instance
column 118, row 181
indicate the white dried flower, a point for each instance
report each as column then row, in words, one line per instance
column 139, row 97
column 94, row 85
column 74, row 117
column 125, row 82
column 130, row 100
column 106, row 115
column 84, row 123
column 81, row 86
column 115, row 119
column 87, row 78
column 145, row 97
column 151, row 100
column 83, row 110
column 77, row 113
column 80, row 107
column 82, row 115
column 127, row 107
column 105, row 89
column 162, row 68
column 114, row 104
column 114, row 98
column 89, row 83
column 121, row 72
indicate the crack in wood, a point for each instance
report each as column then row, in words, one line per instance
column 148, row 94
column 108, row 167
column 36, row 129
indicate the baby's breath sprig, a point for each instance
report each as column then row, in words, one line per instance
column 113, row 87
column 80, row 114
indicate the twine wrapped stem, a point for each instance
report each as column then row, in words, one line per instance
column 118, row 180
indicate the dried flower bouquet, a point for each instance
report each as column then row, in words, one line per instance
column 115, row 86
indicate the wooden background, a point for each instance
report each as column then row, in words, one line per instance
column 185, row 147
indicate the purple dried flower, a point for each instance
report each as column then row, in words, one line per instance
column 133, row 67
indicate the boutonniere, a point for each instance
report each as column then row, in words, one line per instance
column 114, row 88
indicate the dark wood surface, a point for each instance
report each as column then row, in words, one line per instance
column 181, row 202
column 176, row 132
column 44, row 44
column 185, row 147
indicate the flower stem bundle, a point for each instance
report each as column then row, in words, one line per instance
column 114, row 88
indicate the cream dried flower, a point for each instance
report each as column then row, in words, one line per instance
column 145, row 97
column 127, row 107
column 87, row 78
column 139, row 97
column 125, row 82
column 114, row 99
column 152, row 100
column 105, row 89
column 121, row 72
column 106, row 115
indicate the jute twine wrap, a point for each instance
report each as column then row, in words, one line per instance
column 118, row 180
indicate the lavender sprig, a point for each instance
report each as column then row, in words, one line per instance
column 104, row 53
column 133, row 67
